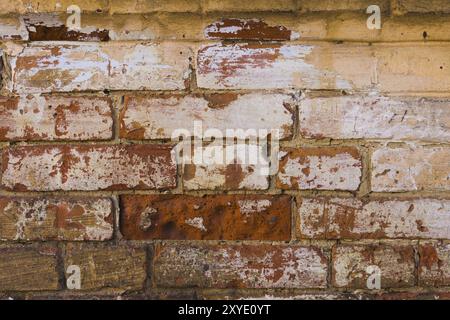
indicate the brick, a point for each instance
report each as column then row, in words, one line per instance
column 52, row 27
column 350, row 262
column 235, row 166
column 159, row 117
column 109, row 267
column 55, row 118
column 144, row 6
column 410, row 169
column 434, row 264
column 12, row 28
column 413, row 68
column 221, row 217
column 247, row 29
column 81, row 67
column 327, row 168
column 239, row 266
column 28, row 268
column 420, row 6
column 339, row 218
column 276, row 66
column 23, row 6
column 55, row 219
column 331, row 5
column 49, row 168
column 376, row 117
column 255, row 5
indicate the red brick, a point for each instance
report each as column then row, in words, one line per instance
column 83, row 167
column 239, row 266
column 434, row 264
column 340, row 218
column 55, row 118
column 247, row 29
column 33, row 218
column 350, row 264
column 223, row 217
column 326, row 168
column 28, row 268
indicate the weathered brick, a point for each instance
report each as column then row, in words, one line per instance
column 12, row 28
column 331, row 5
column 143, row 6
column 272, row 66
column 243, row 6
column 339, row 218
column 231, row 167
column 23, row 6
column 159, row 117
column 410, row 169
column 47, row 168
column 52, row 26
column 420, row 6
column 326, row 168
column 350, row 264
column 62, row 68
column 434, row 264
column 413, row 67
column 55, row 218
column 55, row 118
column 28, row 268
column 247, row 29
column 377, row 117
column 239, row 266
column 110, row 267
column 222, row 217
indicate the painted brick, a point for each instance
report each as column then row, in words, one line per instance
column 339, row 218
column 81, row 67
column 12, row 28
column 28, row 268
column 250, row 66
column 159, row 117
column 239, row 266
column 434, row 264
column 247, row 29
column 410, row 169
column 55, row 118
column 48, row 168
column 326, row 168
column 55, row 219
column 230, row 167
column 349, row 262
column 222, row 217
column 375, row 118
column 52, row 27
column 112, row 267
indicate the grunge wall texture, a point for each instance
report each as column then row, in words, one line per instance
column 87, row 177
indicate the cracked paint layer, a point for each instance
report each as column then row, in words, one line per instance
column 240, row 266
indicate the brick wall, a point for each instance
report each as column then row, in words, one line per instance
column 90, row 178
